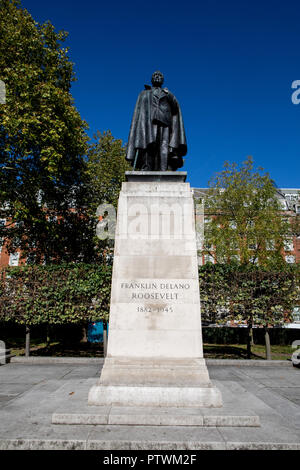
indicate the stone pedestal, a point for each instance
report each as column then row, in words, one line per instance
column 155, row 353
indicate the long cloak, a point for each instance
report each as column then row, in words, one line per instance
column 141, row 134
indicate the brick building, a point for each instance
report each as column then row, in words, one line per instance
column 289, row 199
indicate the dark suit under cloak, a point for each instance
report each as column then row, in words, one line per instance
column 142, row 135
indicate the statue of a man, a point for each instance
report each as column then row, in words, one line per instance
column 157, row 139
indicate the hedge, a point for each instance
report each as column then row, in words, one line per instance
column 237, row 335
column 55, row 294
column 74, row 293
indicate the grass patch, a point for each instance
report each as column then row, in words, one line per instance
column 56, row 348
column 239, row 351
column 85, row 349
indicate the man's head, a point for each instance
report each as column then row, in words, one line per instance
column 157, row 78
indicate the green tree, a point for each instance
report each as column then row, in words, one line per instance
column 249, row 293
column 246, row 223
column 105, row 172
column 42, row 139
column 106, row 166
column 247, row 226
column 54, row 294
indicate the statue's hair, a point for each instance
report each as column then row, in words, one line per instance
column 155, row 74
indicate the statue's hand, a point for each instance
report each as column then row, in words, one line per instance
column 166, row 90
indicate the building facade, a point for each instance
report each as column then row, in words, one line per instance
column 289, row 199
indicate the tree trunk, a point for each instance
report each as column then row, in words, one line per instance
column 268, row 344
column 104, row 339
column 27, row 342
column 251, row 337
column 84, row 335
column 48, row 336
column 249, row 343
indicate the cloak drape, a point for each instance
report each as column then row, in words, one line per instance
column 141, row 134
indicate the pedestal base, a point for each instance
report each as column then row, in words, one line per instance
column 201, row 397
column 239, row 406
column 159, row 382
column 155, row 352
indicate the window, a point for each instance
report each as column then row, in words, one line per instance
column 270, row 245
column 292, row 197
column 30, row 258
column 2, row 224
column 289, row 245
column 208, row 246
column 252, row 245
column 233, row 244
column 18, row 224
column 290, row 259
column 296, row 314
column 208, row 259
column 283, row 204
column 14, row 259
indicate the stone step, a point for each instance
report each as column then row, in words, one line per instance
column 156, row 417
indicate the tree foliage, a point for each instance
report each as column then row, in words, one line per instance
column 42, row 138
column 55, row 294
column 246, row 223
column 248, row 294
column 106, row 166
column 76, row 292
column 105, row 172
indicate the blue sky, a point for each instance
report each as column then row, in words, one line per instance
column 229, row 63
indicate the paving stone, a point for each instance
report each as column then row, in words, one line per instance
column 25, row 419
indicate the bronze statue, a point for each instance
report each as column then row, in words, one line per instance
column 157, row 139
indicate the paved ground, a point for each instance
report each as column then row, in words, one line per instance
column 31, row 393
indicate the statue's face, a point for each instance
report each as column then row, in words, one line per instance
column 157, row 79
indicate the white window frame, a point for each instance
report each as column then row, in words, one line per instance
column 11, row 261
column 289, row 245
column 270, row 245
column 2, row 222
column 296, row 314
column 207, row 247
column 209, row 259
column 252, row 246
column 283, row 204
